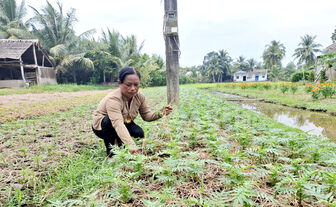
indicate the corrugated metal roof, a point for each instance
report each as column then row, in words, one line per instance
column 13, row 49
column 255, row 71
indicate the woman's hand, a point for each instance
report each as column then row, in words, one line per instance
column 134, row 150
column 167, row 110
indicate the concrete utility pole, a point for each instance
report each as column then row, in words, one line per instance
column 170, row 32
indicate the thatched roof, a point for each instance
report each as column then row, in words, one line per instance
column 13, row 49
column 330, row 48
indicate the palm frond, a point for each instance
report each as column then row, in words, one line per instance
column 21, row 10
column 87, row 34
column 58, row 50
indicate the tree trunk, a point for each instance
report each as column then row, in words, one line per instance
column 74, row 77
column 104, row 77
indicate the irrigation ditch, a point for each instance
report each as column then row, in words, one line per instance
column 312, row 122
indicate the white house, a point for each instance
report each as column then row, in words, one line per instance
column 252, row 76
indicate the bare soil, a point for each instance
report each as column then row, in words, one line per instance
column 29, row 149
column 17, row 99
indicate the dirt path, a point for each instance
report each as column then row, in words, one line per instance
column 17, row 99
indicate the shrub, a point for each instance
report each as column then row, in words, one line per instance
column 327, row 90
column 267, row 86
column 284, row 87
column 315, row 93
column 308, row 88
column 311, row 77
column 297, row 76
column 323, row 76
column 293, row 88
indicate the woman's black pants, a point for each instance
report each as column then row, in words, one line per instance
column 110, row 136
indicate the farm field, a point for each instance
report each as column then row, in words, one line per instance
column 208, row 152
column 301, row 97
column 52, row 88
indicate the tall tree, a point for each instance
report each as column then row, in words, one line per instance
column 210, row 64
column 252, row 63
column 273, row 54
column 224, row 61
column 55, row 29
column 216, row 65
column 288, row 71
column 125, row 48
column 241, row 64
column 75, row 65
column 113, row 41
column 306, row 50
column 130, row 51
column 275, row 74
column 152, row 69
column 52, row 26
column 11, row 20
column 104, row 64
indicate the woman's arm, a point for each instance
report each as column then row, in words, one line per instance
column 148, row 115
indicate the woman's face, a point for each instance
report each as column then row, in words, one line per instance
column 130, row 86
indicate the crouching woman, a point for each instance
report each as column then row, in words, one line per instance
column 113, row 120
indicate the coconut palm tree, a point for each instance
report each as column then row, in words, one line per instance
column 76, row 64
column 241, row 64
column 211, row 65
column 55, row 30
column 53, row 27
column 273, row 54
column 11, row 20
column 113, row 41
column 224, row 61
column 252, row 63
column 305, row 53
column 104, row 64
column 216, row 65
column 130, row 52
column 125, row 48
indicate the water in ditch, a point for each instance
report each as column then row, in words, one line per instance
column 316, row 123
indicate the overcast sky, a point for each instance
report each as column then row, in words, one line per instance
column 241, row 27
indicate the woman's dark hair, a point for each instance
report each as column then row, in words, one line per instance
column 127, row 71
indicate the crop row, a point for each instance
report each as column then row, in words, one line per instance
column 208, row 152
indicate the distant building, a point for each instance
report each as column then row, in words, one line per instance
column 24, row 62
column 331, row 72
column 252, row 76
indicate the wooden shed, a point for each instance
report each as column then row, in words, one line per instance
column 24, row 62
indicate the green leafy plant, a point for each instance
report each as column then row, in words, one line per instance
column 327, row 90
column 284, row 87
column 125, row 192
column 298, row 188
column 315, row 93
column 293, row 88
